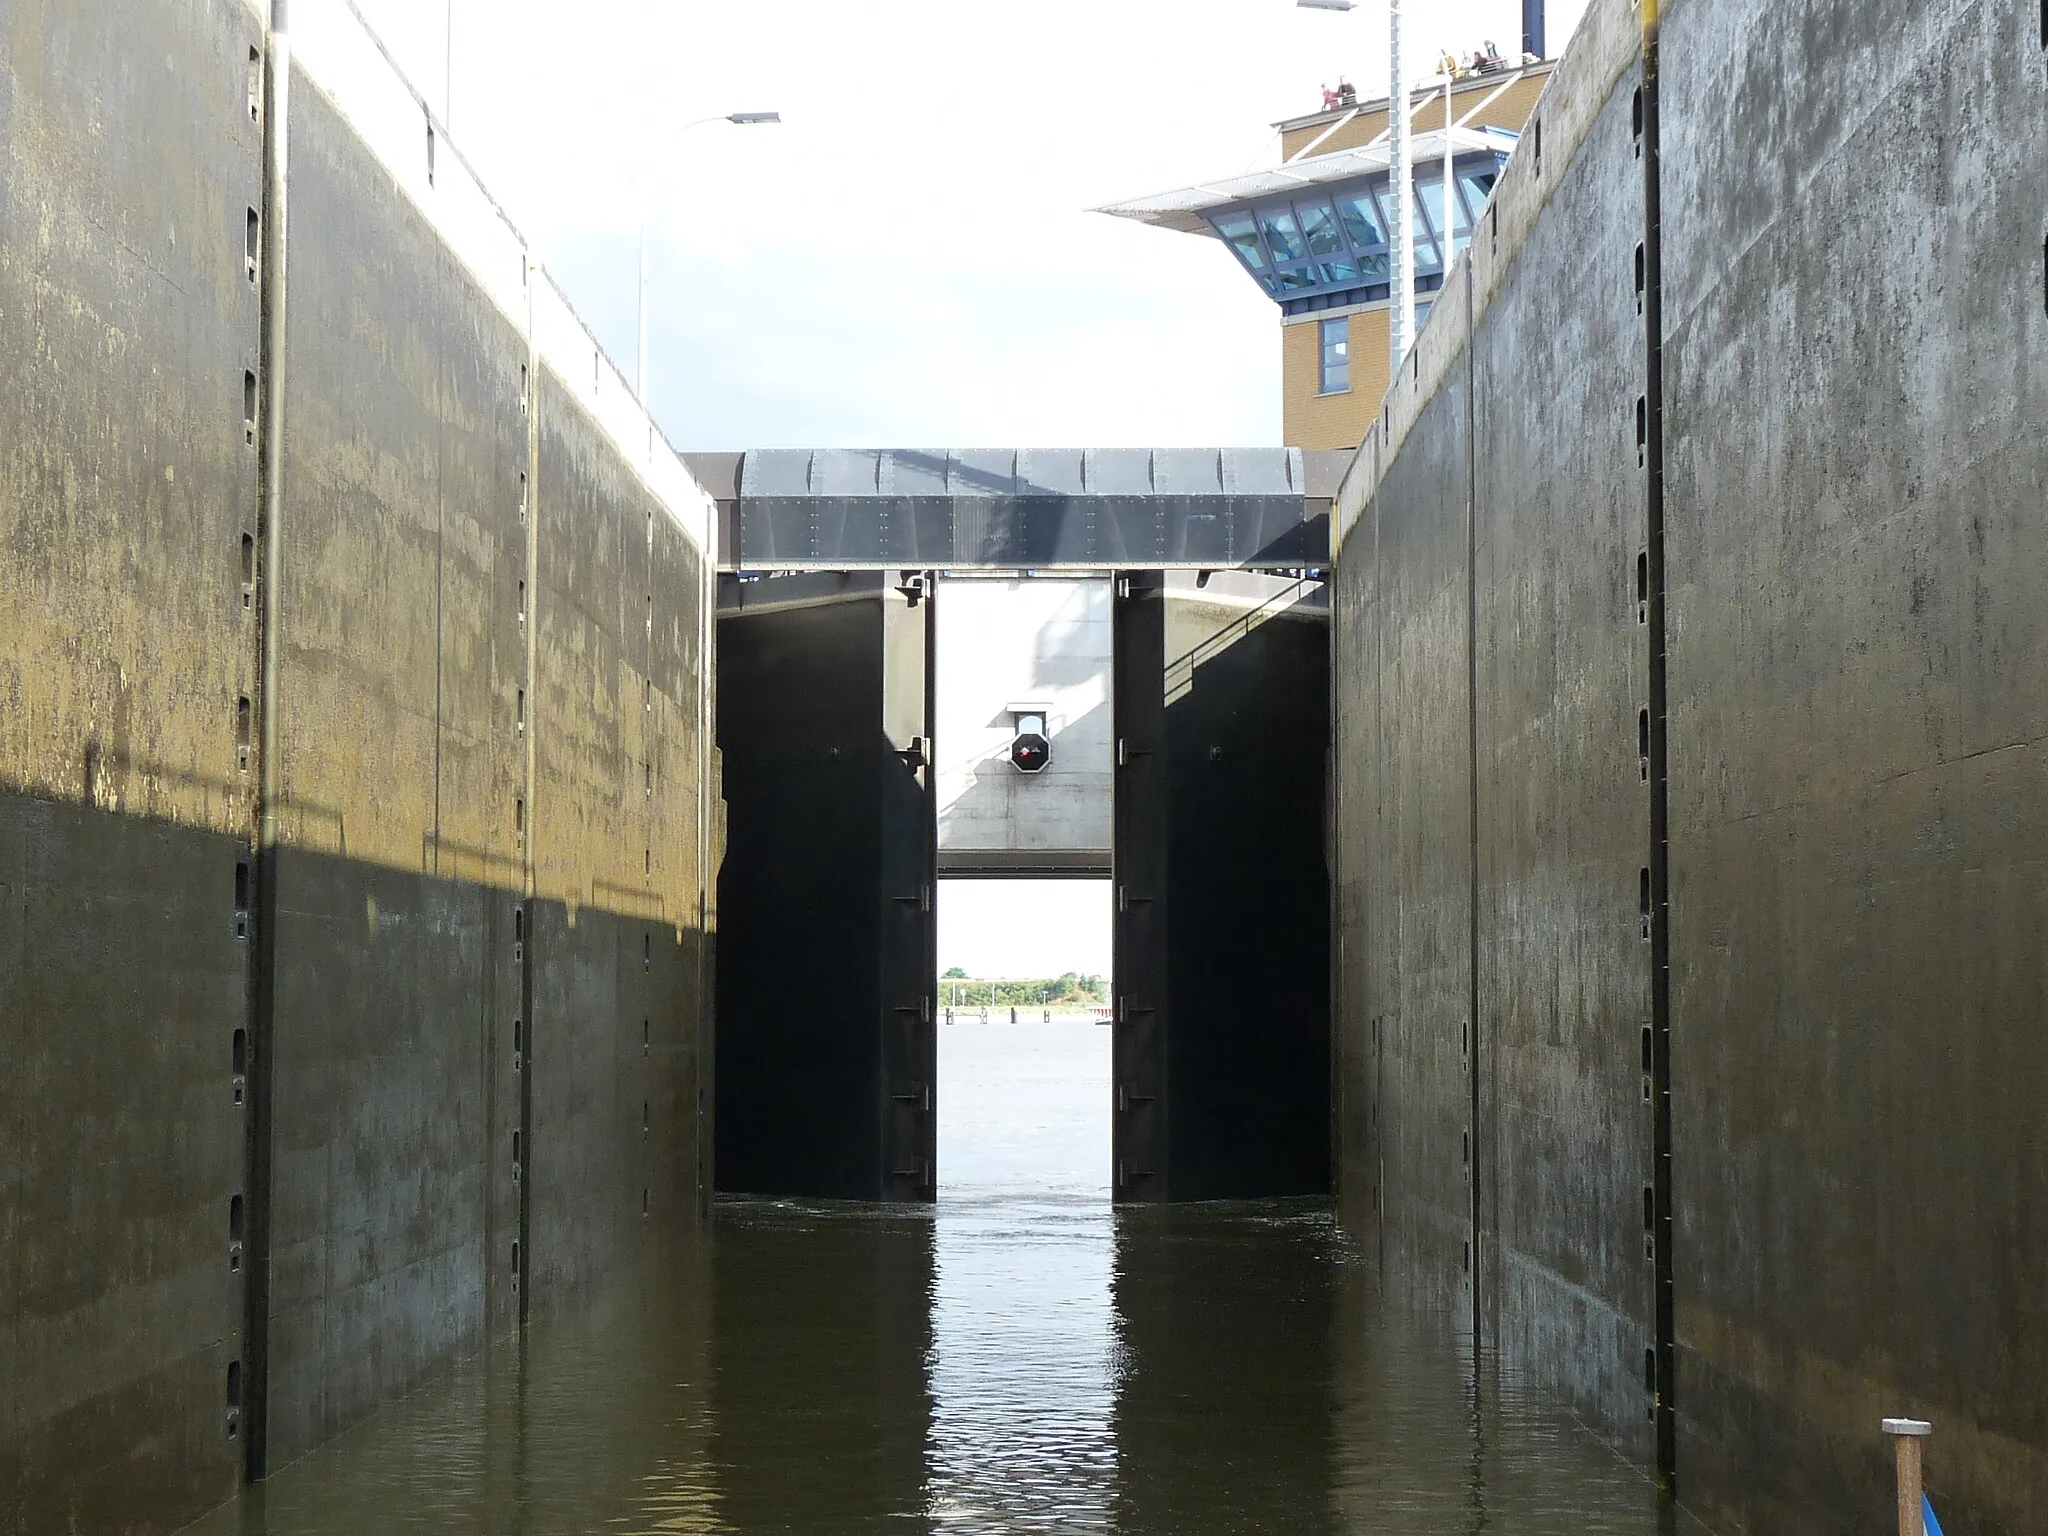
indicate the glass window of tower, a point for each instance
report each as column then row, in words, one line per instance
column 1336, row 378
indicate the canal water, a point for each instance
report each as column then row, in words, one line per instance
column 1021, row 1359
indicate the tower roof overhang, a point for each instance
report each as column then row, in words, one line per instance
column 1187, row 209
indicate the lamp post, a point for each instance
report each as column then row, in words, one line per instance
column 744, row 120
column 1450, row 229
column 706, row 603
column 1401, row 240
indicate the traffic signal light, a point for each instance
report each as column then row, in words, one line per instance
column 1030, row 749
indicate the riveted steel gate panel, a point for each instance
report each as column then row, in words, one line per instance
column 827, row 1051
column 909, row 945
column 1221, row 1060
column 1138, row 944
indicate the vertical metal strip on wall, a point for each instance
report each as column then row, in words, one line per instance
column 1333, row 865
column 277, row 71
column 707, row 958
column 1375, row 1008
column 929, row 976
column 908, row 935
column 1473, row 1037
column 520, row 1259
column 1139, row 1170
column 1660, row 808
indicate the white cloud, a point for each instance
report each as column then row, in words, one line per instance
column 908, row 259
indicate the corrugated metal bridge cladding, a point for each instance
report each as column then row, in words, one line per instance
column 1043, row 509
column 1691, row 759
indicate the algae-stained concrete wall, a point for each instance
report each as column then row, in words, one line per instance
column 618, row 1020
column 1494, row 827
column 1849, row 590
column 1562, row 829
column 483, row 1034
column 1857, row 366
column 392, row 1207
column 127, row 323
column 1405, row 809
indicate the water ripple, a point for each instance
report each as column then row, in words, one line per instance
column 1022, row 1359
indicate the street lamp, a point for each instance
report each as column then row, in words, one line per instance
column 1400, row 242
column 742, row 119
column 706, row 595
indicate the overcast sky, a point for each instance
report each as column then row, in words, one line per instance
column 1024, row 929
column 908, row 260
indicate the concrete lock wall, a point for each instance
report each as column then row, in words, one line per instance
column 261, row 1109
column 1005, row 641
column 1736, row 1217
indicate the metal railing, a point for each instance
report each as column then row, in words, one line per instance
column 1180, row 670
column 349, row 63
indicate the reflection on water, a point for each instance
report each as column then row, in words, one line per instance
column 1025, row 1364
column 1020, row 1360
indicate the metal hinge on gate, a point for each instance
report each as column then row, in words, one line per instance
column 1125, row 752
column 921, row 1097
column 921, row 898
column 1125, row 1008
column 1125, row 900
column 1125, row 1099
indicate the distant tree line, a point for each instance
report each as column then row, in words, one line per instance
column 1073, row 990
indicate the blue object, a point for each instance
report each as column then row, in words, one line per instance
column 1927, row 1516
column 1326, row 245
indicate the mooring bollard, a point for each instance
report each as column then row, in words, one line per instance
column 1907, row 1434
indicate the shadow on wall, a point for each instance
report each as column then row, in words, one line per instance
column 1067, row 805
column 1305, row 595
column 1247, row 904
column 1060, row 655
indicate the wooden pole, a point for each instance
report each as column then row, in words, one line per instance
column 1907, row 1435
